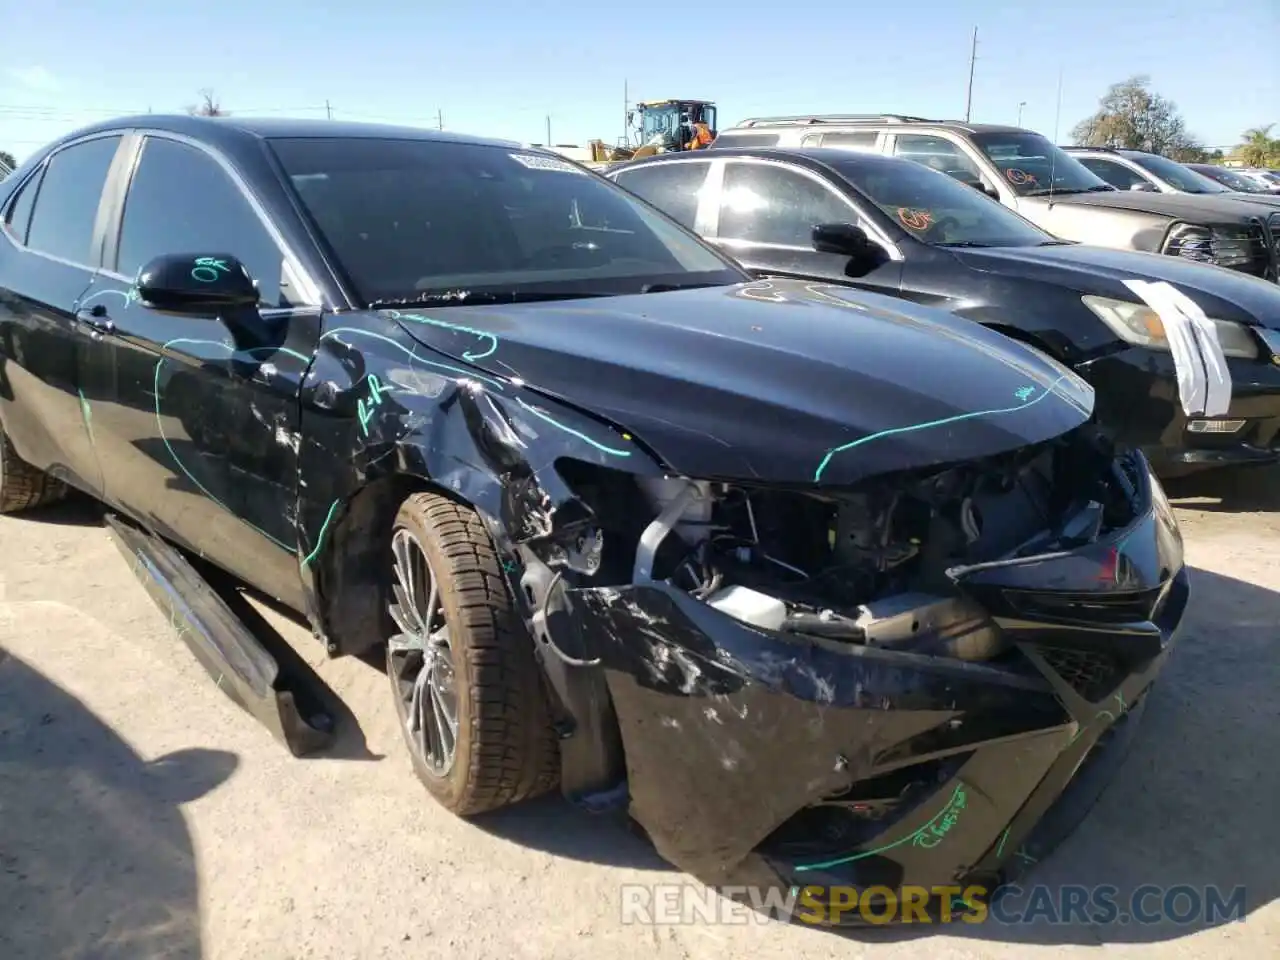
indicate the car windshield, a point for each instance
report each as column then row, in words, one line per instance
column 938, row 209
column 1231, row 180
column 1033, row 166
column 1182, row 179
column 446, row 222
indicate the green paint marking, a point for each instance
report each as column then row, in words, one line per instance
column 581, row 436
column 366, row 409
column 207, row 269
column 419, row 318
column 413, row 355
column 1024, row 393
column 1023, row 855
column 87, row 414
column 324, row 529
column 928, row 836
column 1096, row 717
column 1000, row 846
column 937, row 423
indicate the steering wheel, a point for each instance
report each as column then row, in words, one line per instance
column 937, row 232
column 564, row 254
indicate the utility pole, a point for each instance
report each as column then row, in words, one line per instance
column 328, row 110
column 548, row 130
column 439, row 119
column 1020, row 106
column 973, row 56
column 626, row 114
column 1057, row 115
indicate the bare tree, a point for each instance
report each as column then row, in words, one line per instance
column 208, row 106
column 1132, row 117
column 6, row 160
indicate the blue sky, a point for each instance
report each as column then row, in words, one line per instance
column 500, row 68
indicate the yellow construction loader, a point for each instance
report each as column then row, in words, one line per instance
column 662, row 126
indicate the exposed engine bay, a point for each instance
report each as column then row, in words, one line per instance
column 874, row 564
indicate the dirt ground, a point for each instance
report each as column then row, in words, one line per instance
column 143, row 815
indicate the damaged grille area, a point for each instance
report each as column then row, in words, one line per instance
column 1091, row 673
column 876, row 565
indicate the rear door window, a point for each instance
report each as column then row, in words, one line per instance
column 673, row 188
column 746, row 140
column 66, row 209
column 864, row 140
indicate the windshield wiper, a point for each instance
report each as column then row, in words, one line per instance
column 668, row 287
column 966, row 243
column 467, row 298
column 1061, row 191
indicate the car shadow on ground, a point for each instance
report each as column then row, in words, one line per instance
column 77, row 510
column 1194, row 805
column 554, row 825
column 1251, row 489
column 96, row 859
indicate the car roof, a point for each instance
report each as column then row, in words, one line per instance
column 828, row 157
column 819, row 122
column 235, row 131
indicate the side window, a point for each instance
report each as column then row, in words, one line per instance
column 938, row 153
column 746, row 140
column 864, row 140
column 182, row 201
column 671, row 187
column 63, row 219
column 1113, row 173
column 770, row 203
column 20, row 211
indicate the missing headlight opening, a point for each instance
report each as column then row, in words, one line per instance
column 876, row 564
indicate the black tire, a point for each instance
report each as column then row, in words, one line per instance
column 506, row 750
column 22, row 486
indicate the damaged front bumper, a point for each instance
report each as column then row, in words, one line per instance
column 822, row 763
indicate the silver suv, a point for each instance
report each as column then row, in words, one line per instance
column 1028, row 173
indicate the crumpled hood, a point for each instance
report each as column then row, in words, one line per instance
column 777, row 381
column 1101, row 271
column 1191, row 207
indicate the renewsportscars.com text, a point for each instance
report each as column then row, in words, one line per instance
column 1182, row 904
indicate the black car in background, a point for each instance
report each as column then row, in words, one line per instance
column 1143, row 171
column 1029, row 174
column 1230, row 179
column 898, row 227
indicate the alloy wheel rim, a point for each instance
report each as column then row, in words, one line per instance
column 421, row 656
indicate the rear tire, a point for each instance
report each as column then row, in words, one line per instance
column 481, row 660
column 22, row 486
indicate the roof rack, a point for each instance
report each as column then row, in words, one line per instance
column 812, row 118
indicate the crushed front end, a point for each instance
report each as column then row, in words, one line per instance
column 889, row 685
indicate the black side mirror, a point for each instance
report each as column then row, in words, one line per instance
column 196, row 285
column 846, row 239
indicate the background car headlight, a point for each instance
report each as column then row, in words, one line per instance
column 1138, row 324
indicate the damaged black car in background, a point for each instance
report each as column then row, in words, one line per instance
column 690, row 546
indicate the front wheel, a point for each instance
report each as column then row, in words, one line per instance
column 467, row 687
column 22, row 486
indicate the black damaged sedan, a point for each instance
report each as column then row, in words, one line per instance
column 816, row 602
column 1191, row 398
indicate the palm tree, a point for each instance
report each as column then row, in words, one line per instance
column 1259, row 146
